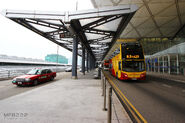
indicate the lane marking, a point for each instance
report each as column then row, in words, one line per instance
column 2, row 86
column 165, row 85
column 127, row 102
column 181, row 81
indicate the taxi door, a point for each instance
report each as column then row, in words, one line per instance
column 43, row 76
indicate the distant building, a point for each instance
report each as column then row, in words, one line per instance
column 53, row 58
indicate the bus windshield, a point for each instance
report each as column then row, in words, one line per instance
column 133, row 66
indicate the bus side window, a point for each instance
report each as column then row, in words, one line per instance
column 119, row 64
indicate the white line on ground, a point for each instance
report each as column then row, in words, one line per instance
column 168, row 86
column 177, row 80
column 2, row 86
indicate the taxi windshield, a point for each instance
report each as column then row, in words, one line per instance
column 34, row 72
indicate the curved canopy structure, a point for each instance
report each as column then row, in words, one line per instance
column 97, row 29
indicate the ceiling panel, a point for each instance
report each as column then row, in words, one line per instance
column 163, row 20
column 158, row 7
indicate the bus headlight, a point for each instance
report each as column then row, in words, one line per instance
column 27, row 79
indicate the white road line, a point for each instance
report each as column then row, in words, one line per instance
column 2, row 86
column 181, row 81
column 168, row 86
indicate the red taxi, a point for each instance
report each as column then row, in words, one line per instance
column 34, row 76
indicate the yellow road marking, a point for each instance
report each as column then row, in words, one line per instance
column 122, row 96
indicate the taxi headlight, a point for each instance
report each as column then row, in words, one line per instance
column 27, row 79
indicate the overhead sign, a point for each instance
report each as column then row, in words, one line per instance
column 132, row 56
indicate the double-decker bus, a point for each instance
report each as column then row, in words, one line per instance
column 128, row 62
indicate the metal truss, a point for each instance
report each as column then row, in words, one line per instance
column 64, row 25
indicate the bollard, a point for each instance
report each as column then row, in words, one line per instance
column 109, row 106
column 102, row 81
column 102, row 85
column 104, row 107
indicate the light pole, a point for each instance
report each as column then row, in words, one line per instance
column 57, row 57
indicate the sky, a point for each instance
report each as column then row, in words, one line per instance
column 16, row 40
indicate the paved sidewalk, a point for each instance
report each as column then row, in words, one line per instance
column 177, row 78
column 63, row 101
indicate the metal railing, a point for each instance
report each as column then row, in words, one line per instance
column 134, row 115
column 4, row 74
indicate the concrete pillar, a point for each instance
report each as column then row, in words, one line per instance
column 75, row 57
column 169, row 65
column 83, row 60
column 87, row 65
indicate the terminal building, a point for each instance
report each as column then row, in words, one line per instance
column 159, row 27
column 56, row 58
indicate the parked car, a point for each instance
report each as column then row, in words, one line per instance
column 34, row 76
column 69, row 69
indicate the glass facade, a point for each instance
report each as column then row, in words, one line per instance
column 56, row 58
column 166, row 56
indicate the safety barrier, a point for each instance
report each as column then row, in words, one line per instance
column 4, row 74
column 135, row 116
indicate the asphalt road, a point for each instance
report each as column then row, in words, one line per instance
column 7, row 89
column 157, row 100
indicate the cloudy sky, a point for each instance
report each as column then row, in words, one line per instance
column 16, row 40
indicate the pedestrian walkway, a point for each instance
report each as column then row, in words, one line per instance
column 64, row 100
column 176, row 78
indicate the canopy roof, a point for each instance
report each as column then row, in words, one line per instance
column 154, row 19
column 97, row 29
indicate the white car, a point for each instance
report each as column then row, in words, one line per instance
column 69, row 69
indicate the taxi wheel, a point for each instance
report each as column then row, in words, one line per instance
column 52, row 78
column 35, row 82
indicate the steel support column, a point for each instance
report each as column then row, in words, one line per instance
column 83, row 60
column 87, row 65
column 177, row 62
column 75, row 57
column 89, row 62
column 169, row 65
column 163, row 63
column 158, row 64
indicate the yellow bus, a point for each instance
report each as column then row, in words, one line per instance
column 128, row 62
